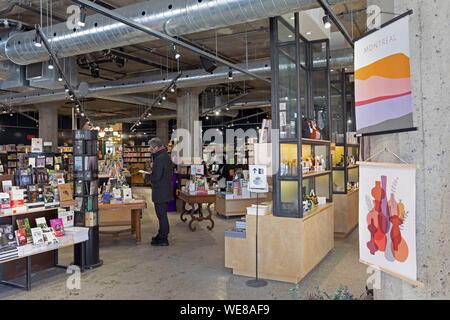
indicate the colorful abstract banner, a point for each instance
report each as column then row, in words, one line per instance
column 383, row 80
column 387, row 218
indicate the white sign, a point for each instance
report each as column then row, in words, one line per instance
column 37, row 145
column 387, row 218
column 258, row 179
column 383, row 93
column 197, row 170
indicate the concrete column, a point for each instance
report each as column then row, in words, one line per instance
column 48, row 123
column 162, row 130
column 429, row 148
column 188, row 119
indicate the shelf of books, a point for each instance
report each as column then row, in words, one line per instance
column 136, row 158
column 136, row 154
column 14, row 156
column 66, row 154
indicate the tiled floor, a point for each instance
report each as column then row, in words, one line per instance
column 192, row 267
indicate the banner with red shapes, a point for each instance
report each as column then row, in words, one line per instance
column 387, row 217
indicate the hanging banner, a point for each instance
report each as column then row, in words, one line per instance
column 387, row 218
column 383, row 96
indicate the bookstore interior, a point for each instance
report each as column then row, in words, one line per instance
column 267, row 117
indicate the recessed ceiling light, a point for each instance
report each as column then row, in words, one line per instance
column 293, row 18
column 290, row 36
column 309, row 33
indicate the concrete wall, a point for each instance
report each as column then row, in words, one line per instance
column 429, row 148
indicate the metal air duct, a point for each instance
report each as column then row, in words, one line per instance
column 175, row 17
column 149, row 83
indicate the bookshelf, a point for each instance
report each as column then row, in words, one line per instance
column 136, row 158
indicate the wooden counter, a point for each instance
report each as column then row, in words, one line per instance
column 236, row 206
column 346, row 208
column 288, row 248
column 119, row 218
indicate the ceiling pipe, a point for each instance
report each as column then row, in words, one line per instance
column 163, row 36
column 178, row 18
column 136, row 100
column 153, row 82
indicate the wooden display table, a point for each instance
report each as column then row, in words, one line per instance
column 237, row 206
column 192, row 200
column 124, row 217
column 288, row 248
column 346, row 207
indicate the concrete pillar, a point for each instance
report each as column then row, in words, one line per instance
column 429, row 148
column 162, row 130
column 48, row 123
column 188, row 119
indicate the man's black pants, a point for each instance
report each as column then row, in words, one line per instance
column 161, row 213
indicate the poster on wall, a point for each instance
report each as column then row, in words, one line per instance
column 387, row 218
column 383, row 95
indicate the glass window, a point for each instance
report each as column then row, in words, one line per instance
column 339, row 181
column 323, row 186
column 339, row 157
column 288, row 160
column 289, row 197
column 287, row 95
column 319, row 184
column 302, row 49
column 337, row 109
column 284, row 33
column 303, row 91
column 319, row 54
column 353, row 176
column 320, row 101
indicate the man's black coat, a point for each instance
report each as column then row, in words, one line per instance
column 161, row 177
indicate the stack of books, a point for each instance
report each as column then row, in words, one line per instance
column 8, row 246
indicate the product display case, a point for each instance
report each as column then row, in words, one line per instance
column 345, row 153
column 299, row 233
column 300, row 113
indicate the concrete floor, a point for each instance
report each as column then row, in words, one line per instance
column 192, row 267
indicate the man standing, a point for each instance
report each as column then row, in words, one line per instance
column 161, row 181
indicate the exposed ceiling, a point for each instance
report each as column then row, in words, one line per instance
column 238, row 43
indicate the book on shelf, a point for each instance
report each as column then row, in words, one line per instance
column 49, row 237
column 65, row 192
column 67, row 218
column 6, row 186
column 42, row 223
column 58, row 227
column 21, row 237
column 7, row 236
column 37, row 234
column 4, row 201
column 25, row 224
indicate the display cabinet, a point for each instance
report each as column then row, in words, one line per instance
column 300, row 232
column 345, row 153
column 346, row 150
column 301, row 116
